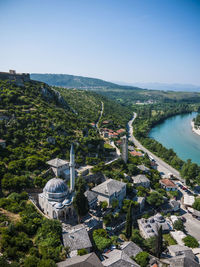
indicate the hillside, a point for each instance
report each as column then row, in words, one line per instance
column 39, row 123
column 127, row 95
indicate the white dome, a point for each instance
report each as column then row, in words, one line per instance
column 56, row 185
column 56, row 190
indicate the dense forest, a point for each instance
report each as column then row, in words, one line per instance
column 197, row 121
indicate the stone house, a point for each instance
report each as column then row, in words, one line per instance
column 109, row 190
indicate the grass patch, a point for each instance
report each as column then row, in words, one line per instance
column 170, row 240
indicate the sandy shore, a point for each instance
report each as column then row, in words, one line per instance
column 195, row 130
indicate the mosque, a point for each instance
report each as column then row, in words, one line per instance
column 56, row 199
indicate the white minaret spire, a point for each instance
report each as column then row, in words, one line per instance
column 72, row 168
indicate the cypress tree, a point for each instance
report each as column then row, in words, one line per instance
column 129, row 222
column 159, row 242
column 80, row 203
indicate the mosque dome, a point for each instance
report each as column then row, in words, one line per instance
column 56, row 185
column 56, row 190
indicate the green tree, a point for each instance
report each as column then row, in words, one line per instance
column 196, row 204
column 178, row 225
column 190, row 241
column 129, row 222
column 155, row 199
column 142, row 258
column 115, row 203
column 80, row 203
column 104, row 205
column 31, row 261
column 159, row 242
column 82, row 252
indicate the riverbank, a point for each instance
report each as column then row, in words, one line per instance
column 197, row 131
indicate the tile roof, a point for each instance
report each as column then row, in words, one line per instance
column 90, row 195
column 167, row 183
column 76, row 237
column 130, row 248
column 109, row 187
column 57, row 162
column 2, row 141
column 136, row 153
column 141, row 178
column 118, row 258
column 88, row 260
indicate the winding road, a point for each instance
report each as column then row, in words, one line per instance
column 162, row 166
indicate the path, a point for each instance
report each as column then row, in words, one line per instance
column 101, row 113
column 162, row 166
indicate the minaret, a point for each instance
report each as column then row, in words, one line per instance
column 124, row 149
column 72, row 168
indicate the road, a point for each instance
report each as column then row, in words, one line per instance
column 101, row 113
column 162, row 166
column 192, row 226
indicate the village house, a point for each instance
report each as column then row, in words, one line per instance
column 3, row 143
column 168, row 185
column 143, row 168
column 177, row 250
column 141, row 180
column 109, row 190
column 89, row 260
column 130, row 248
column 136, row 154
column 118, row 258
column 149, row 227
column 76, row 238
column 188, row 200
column 60, row 167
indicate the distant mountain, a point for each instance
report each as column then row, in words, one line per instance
column 165, row 86
column 72, row 81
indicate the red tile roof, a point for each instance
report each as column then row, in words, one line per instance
column 167, row 183
column 121, row 131
column 136, row 153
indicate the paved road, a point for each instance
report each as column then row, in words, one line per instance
column 192, row 226
column 162, row 166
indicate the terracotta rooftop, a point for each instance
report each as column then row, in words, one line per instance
column 136, row 153
column 2, row 141
column 167, row 182
column 121, row 131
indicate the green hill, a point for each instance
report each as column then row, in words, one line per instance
column 72, row 81
column 126, row 95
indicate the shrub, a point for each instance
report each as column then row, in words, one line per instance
column 191, row 242
column 142, row 258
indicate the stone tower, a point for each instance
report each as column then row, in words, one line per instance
column 72, row 168
column 124, row 149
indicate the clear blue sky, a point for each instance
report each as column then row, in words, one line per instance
column 117, row 40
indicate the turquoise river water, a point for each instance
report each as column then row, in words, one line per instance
column 176, row 133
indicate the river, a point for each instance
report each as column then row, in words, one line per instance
column 176, row 133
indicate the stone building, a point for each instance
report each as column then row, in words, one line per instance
column 56, row 199
column 109, row 190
